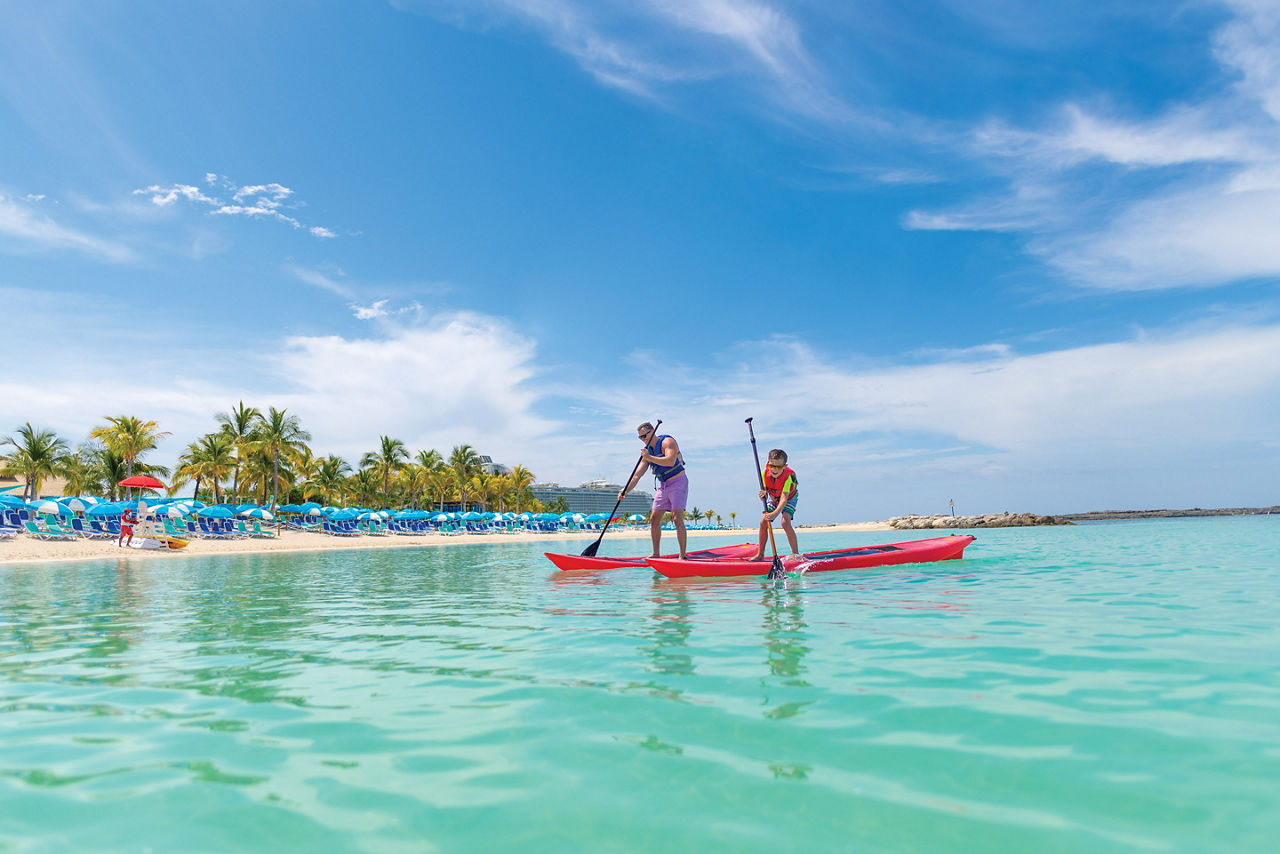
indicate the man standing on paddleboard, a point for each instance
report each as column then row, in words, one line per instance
column 662, row 454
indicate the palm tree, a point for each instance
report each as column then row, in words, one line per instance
column 521, row 478
column 239, row 424
column 39, row 454
column 278, row 434
column 364, row 485
column 441, row 482
column 208, row 459
column 480, row 486
column 110, row 469
column 464, row 462
column 425, row 462
column 390, row 457
column 733, row 518
column 329, row 480
column 129, row 437
column 81, row 471
column 305, row 467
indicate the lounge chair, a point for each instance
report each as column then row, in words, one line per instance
column 36, row 531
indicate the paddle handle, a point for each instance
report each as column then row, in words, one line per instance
column 759, row 471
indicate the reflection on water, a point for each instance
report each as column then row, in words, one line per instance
column 669, row 629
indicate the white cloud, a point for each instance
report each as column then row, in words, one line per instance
column 369, row 312
column 1186, row 198
column 256, row 201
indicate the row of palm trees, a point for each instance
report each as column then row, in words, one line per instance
column 253, row 455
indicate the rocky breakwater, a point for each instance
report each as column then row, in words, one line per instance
column 986, row 520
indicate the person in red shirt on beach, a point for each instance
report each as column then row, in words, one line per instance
column 780, row 485
column 126, row 527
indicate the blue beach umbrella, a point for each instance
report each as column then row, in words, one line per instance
column 217, row 511
column 110, row 508
column 11, row 501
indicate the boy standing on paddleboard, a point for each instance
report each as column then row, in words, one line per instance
column 662, row 454
column 781, row 487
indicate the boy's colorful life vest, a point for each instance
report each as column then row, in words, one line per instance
column 783, row 483
column 665, row 473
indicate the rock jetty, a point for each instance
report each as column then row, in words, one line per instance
column 986, row 520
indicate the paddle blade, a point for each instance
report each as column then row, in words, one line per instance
column 776, row 571
column 590, row 551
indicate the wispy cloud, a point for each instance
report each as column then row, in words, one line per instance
column 25, row 228
column 256, row 201
column 330, row 280
column 646, row 48
column 1187, row 197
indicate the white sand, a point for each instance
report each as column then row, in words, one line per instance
column 25, row 548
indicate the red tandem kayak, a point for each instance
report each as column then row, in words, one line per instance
column 580, row 562
column 917, row 551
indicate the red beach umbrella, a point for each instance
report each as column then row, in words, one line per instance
column 142, row 480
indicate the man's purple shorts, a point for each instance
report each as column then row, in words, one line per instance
column 671, row 494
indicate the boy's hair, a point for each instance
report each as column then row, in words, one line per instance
column 777, row 455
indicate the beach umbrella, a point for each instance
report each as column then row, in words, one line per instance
column 143, row 481
column 79, row 504
column 255, row 513
column 344, row 515
column 178, row 511
column 11, row 501
column 636, row 517
column 443, row 517
column 46, row 506
column 217, row 511
column 289, row 508
column 107, row 508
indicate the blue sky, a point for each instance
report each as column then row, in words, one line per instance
column 1021, row 256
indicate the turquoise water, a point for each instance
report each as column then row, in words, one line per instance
column 1102, row 687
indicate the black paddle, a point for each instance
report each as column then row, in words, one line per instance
column 775, row 570
column 590, row 551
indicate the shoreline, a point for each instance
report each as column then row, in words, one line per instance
column 25, row 549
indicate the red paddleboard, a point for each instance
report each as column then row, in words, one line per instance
column 580, row 562
column 916, row 551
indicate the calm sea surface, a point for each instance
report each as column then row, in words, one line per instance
column 1103, row 687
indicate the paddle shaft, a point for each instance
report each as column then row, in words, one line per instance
column 591, row 550
column 775, row 569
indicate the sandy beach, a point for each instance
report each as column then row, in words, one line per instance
column 27, row 549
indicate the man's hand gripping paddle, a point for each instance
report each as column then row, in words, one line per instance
column 775, row 570
column 590, row 551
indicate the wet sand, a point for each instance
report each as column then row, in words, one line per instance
column 25, row 548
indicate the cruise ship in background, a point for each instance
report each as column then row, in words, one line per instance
column 594, row 496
